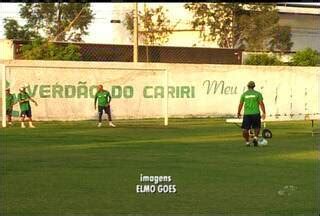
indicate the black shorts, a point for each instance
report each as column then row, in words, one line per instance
column 26, row 113
column 251, row 121
column 9, row 112
column 106, row 109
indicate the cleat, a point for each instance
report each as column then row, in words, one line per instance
column 23, row 126
column 99, row 124
column 247, row 144
column 111, row 124
column 31, row 126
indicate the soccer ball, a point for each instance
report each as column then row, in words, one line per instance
column 266, row 133
column 262, row 142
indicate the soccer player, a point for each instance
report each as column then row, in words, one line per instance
column 251, row 100
column 25, row 107
column 104, row 98
column 10, row 101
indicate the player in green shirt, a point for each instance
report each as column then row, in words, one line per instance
column 103, row 98
column 10, row 101
column 25, row 107
column 252, row 101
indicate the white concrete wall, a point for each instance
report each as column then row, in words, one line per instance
column 194, row 90
column 6, row 50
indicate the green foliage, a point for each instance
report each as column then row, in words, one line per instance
column 213, row 20
column 55, row 21
column 263, row 59
column 14, row 31
column 281, row 40
column 306, row 57
column 43, row 50
column 235, row 25
column 258, row 26
column 153, row 24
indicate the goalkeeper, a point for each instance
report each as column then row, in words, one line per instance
column 104, row 98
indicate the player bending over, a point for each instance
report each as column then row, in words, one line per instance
column 251, row 118
column 104, row 98
column 25, row 107
column 10, row 101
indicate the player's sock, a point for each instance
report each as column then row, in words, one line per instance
column 99, row 124
column 100, row 117
column 22, row 125
column 255, row 141
column 31, row 125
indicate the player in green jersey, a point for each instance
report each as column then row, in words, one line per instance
column 25, row 107
column 10, row 101
column 103, row 98
column 252, row 101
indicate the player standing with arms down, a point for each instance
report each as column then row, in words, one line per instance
column 104, row 98
column 25, row 107
column 10, row 101
column 251, row 100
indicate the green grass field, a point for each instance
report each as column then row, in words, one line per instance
column 75, row 167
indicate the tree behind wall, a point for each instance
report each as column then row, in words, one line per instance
column 215, row 21
column 48, row 22
column 153, row 24
column 54, row 21
column 281, row 40
column 235, row 25
column 14, row 31
column 258, row 26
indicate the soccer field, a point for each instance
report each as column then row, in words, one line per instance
column 75, row 167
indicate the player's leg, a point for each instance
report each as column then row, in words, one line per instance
column 108, row 111
column 22, row 116
column 10, row 120
column 29, row 115
column 256, row 125
column 256, row 132
column 30, row 122
column 251, row 125
column 100, row 112
column 9, row 116
column 245, row 134
column 245, row 129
